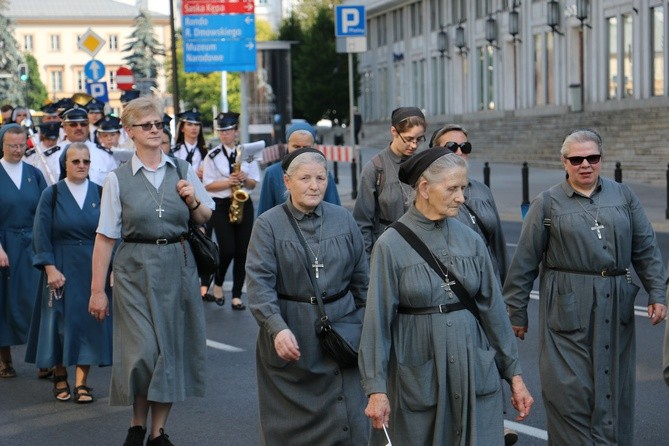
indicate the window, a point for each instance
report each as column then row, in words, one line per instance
column 56, row 81
column 657, row 33
column 438, row 87
column 620, row 66
column 112, row 80
column 28, row 42
column 436, row 19
column 416, row 11
column 112, row 42
column 54, row 42
column 398, row 25
column 459, row 10
column 544, row 80
column 486, row 81
column 418, row 68
column 369, row 34
column 381, row 34
column 81, row 80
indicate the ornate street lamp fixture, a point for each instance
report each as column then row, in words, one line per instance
column 553, row 15
column 514, row 24
column 491, row 30
column 460, row 42
column 442, row 42
column 582, row 10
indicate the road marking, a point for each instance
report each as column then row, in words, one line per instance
column 526, row 430
column 639, row 310
column 224, row 347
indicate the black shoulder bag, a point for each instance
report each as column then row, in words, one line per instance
column 205, row 250
column 339, row 339
column 419, row 246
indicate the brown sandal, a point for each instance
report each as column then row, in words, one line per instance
column 62, row 394
column 83, row 395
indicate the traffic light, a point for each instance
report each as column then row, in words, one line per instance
column 23, row 72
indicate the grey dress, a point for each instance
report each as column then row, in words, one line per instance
column 479, row 212
column 587, row 356
column 440, row 371
column 159, row 328
column 374, row 211
column 311, row 401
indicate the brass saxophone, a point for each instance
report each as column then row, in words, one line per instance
column 239, row 195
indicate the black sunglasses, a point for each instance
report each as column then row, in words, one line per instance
column 77, row 162
column 578, row 160
column 148, row 125
column 453, row 146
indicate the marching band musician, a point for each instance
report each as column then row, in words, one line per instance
column 221, row 180
column 190, row 144
column 45, row 155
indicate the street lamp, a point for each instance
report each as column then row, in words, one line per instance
column 582, row 9
column 553, row 16
column 442, row 42
column 460, row 42
column 514, row 24
column 491, row 31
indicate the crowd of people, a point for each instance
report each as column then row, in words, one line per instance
column 96, row 270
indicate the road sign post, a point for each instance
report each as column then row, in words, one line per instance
column 98, row 90
column 351, row 31
column 94, row 70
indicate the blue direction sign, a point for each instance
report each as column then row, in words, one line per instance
column 98, row 90
column 219, row 43
column 94, row 70
column 350, row 21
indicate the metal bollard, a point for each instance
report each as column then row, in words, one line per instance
column 618, row 173
column 525, row 205
column 354, row 179
column 666, row 212
column 335, row 170
column 486, row 174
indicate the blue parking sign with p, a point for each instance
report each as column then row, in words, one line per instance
column 98, row 90
column 350, row 21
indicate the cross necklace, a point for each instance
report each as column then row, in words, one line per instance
column 446, row 284
column 316, row 266
column 159, row 209
column 598, row 226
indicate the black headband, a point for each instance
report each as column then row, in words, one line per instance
column 294, row 154
column 412, row 169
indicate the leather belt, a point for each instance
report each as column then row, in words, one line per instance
column 313, row 300
column 602, row 273
column 443, row 308
column 155, row 241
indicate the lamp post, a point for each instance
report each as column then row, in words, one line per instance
column 460, row 42
column 514, row 30
column 582, row 9
column 491, row 31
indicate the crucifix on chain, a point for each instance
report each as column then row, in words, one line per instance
column 316, row 266
column 447, row 286
column 598, row 227
column 160, row 211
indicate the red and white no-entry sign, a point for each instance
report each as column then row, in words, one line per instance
column 125, row 79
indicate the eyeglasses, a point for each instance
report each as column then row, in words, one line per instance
column 453, row 146
column 418, row 141
column 148, row 125
column 77, row 162
column 578, row 160
column 76, row 124
column 16, row 146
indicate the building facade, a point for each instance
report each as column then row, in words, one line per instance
column 530, row 57
column 50, row 31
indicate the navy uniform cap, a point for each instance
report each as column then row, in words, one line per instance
column 109, row 124
column 65, row 104
column 190, row 116
column 95, row 105
column 166, row 120
column 129, row 95
column 50, row 130
column 227, row 120
column 50, row 109
column 75, row 114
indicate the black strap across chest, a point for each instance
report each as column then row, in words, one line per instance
column 421, row 248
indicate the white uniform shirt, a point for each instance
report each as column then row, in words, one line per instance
column 217, row 167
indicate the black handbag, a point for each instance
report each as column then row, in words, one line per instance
column 339, row 339
column 204, row 249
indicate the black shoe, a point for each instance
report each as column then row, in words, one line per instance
column 161, row 440
column 135, row 436
column 510, row 437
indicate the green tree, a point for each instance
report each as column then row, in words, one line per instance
column 143, row 47
column 11, row 89
column 36, row 91
column 320, row 74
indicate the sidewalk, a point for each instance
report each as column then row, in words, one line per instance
column 506, row 186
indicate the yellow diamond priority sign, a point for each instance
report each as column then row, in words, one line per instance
column 91, row 43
